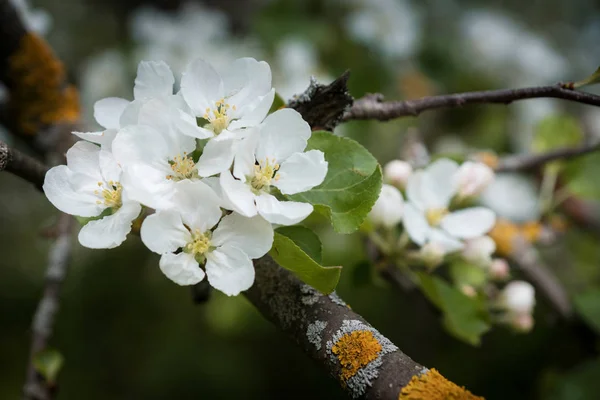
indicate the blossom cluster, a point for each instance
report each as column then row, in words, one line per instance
column 209, row 160
column 441, row 218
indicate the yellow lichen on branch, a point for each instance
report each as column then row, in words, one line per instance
column 506, row 234
column 355, row 350
column 39, row 94
column 433, row 386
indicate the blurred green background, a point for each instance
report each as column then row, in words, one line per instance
column 126, row 332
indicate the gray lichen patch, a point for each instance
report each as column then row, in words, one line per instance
column 314, row 333
column 310, row 295
column 364, row 375
column 337, row 299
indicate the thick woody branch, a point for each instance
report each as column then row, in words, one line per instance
column 36, row 388
column 22, row 165
column 530, row 161
column 372, row 106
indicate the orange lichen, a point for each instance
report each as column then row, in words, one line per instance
column 355, row 350
column 506, row 233
column 488, row 158
column 433, row 386
column 39, row 95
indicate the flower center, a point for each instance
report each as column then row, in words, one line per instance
column 435, row 215
column 199, row 245
column 110, row 194
column 183, row 168
column 217, row 117
column 264, row 173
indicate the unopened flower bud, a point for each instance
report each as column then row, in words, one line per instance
column 432, row 254
column 518, row 297
column 397, row 172
column 522, row 322
column 472, row 178
column 388, row 208
column 479, row 251
column 499, row 269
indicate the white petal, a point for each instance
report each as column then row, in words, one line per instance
column 245, row 158
column 282, row 134
column 140, row 144
column 254, row 236
column 107, row 112
column 148, row 185
column 131, row 113
column 439, row 180
column 254, row 113
column 164, row 232
column 229, row 270
column 237, row 194
column 198, row 204
column 154, row 79
column 62, row 195
column 282, row 212
column 201, row 86
column 84, row 158
column 389, row 207
column 181, row 268
column 186, row 124
column 301, row 172
column 216, row 157
column 110, row 231
column 469, row 223
column 245, row 80
column 104, row 138
column 110, row 169
column 416, row 225
column 445, row 241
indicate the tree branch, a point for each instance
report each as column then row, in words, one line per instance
column 22, row 165
column 530, row 161
column 372, row 106
column 36, row 388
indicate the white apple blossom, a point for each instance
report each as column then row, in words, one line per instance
column 195, row 227
column 231, row 101
column 90, row 186
column 479, row 251
column 512, row 196
column 388, row 208
column 472, row 178
column 155, row 155
column 518, row 297
column 274, row 157
column 426, row 214
column 397, row 172
column 432, row 253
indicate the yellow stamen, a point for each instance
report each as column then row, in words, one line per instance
column 217, row 117
column 264, row 174
column 183, row 168
column 199, row 245
column 435, row 215
column 110, row 195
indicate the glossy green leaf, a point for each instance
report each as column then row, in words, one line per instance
column 464, row 317
column 352, row 184
column 290, row 256
column 587, row 305
column 304, row 238
column 48, row 363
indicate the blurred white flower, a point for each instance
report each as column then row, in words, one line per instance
column 472, row 178
column 499, row 269
column 35, row 20
column 479, row 251
column 432, row 254
column 518, row 297
column 397, row 172
column 512, row 196
column 388, row 208
column 227, row 250
column 89, row 186
column 274, row 157
column 391, row 26
column 426, row 215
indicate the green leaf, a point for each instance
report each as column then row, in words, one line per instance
column 581, row 176
column 85, row 220
column 555, row 132
column 579, row 383
column 278, row 102
column 588, row 305
column 48, row 363
column 464, row 273
column 352, row 184
column 304, row 238
column 291, row 257
column 590, row 80
column 464, row 317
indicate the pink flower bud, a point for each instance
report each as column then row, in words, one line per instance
column 479, row 251
column 472, row 178
column 499, row 269
column 397, row 172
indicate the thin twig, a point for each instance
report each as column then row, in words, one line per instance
column 530, row 161
column 372, row 106
column 43, row 320
column 22, row 165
